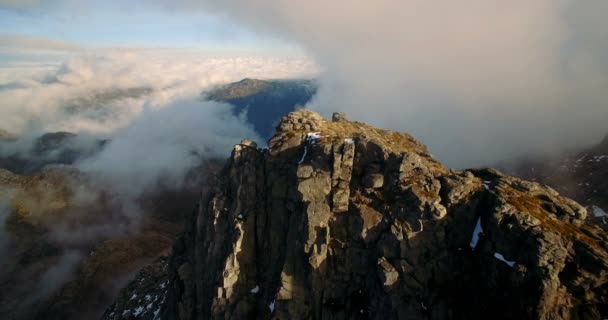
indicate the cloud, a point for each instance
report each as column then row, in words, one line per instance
column 160, row 146
column 58, row 274
column 147, row 104
column 40, row 96
column 477, row 80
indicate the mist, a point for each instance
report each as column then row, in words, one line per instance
column 145, row 105
column 141, row 128
column 477, row 81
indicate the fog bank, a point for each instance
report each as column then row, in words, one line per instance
column 476, row 80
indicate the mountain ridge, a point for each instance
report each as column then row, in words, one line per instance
column 340, row 220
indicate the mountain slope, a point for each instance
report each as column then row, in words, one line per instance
column 52, row 148
column 64, row 246
column 582, row 176
column 340, row 220
column 264, row 101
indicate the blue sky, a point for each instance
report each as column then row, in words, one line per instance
column 129, row 24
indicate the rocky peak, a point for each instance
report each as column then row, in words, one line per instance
column 341, row 220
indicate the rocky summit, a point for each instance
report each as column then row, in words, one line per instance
column 340, row 220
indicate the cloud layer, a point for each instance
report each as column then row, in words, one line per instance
column 146, row 104
column 477, row 80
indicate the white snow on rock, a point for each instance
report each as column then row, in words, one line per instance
column 138, row 311
column 476, row 232
column 502, row 258
column 312, row 136
column 349, row 140
column 271, row 306
column 598, row 212
column 304, row 155
column 256, row 289
column 134, row 296
column 598, row 158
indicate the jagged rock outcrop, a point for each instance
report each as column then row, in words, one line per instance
column 340, row 220
column 144, row 296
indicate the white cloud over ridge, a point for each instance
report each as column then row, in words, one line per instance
column 477, row 80
column 39, row 94
column 147, row 104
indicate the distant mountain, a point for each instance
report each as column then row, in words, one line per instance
column 97, row 99
column 264, row 101
column 581, row 175
column 48, row 149
column 95, row 104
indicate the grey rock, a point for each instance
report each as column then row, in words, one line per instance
column 378, row 229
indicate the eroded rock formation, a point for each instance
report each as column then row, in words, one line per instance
column 340, row 220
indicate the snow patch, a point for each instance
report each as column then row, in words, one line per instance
column 134, row 296
column 502, row 258
column 349, row 140
column 271, row 306
column 476, row 232
column 138, row 311
column 486, row 185
column 304, row 155
column 312, row 136
column 598, row 158
column 598, row 212
column 255, row 290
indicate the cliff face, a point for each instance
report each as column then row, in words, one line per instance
column 340, row 220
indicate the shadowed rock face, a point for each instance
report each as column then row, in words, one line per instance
column 340, row 220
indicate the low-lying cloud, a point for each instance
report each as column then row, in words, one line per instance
column 476, row 80
column 141, row 126
column 145, row 104
column 160, row 146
